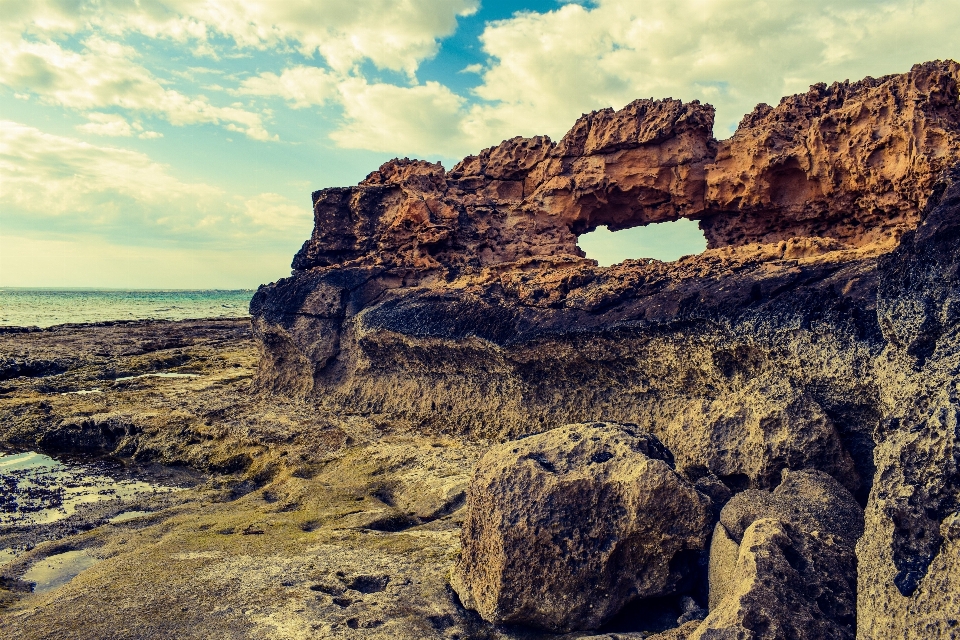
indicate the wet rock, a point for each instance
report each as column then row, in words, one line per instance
column 782, row 564
column 565, row 527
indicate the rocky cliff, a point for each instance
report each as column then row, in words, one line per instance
column 818, row 333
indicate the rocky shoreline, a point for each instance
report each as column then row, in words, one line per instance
column 448, row 423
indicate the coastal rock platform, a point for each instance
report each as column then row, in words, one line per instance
column 365, row 438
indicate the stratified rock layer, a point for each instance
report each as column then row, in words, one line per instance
column 565, row 527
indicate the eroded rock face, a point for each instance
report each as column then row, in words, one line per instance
column 910, row 553
column 565, row 527
column 526, row 197
column 783, row 564
column 480, row 266
column 749, row 438
column 851, row 161
column 457, row 303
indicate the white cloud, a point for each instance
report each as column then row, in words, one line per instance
column 301, row 86
column 50, row 175
column 35, row 60
column 101, row 189
column 545, row 69
column 274, row 211
column 107, row 124
column 103, row 75
column 385, row 117
column 392, row 35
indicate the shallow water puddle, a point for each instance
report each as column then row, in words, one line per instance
column 55, row 571
column 36, row 489
column 6, row 555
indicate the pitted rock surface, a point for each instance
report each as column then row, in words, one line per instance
column 803, row 340
column 910, row 554
column 565, row 527
column 854, row 162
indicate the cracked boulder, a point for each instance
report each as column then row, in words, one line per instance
column 566, row 527
column 783, row 564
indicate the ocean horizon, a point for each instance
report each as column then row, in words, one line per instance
column 50, row 306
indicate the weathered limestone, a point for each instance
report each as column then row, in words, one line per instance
column 749, row 437
column 565, row 527
column 853, row 162
column 724, row 552
column 458, row 303
column 486, row 255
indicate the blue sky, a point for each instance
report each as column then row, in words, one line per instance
column 175, row 143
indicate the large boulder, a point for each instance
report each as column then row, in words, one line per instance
column 565, row 527
column 783, row 564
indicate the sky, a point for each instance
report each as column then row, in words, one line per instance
column 175, row 143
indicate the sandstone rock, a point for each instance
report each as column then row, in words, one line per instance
column 853, row 162
column 724, row 552
column 793, row 574
column 682, row 632
column 420, row 285
column 679, row 633
column 458, row 303
column 565, row 527
column 809, row 500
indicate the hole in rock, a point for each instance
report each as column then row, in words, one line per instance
column 394, row 523
column 663, row 241
column 369, row 584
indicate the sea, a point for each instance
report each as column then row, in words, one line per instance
column 21, row 307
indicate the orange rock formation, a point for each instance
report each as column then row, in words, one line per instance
column 853, row 162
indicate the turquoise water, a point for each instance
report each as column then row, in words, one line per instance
column 47, row 307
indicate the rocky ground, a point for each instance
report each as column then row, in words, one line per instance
column 816, row 335
column 297, row 526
